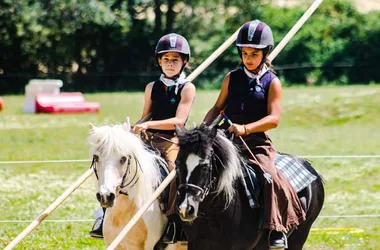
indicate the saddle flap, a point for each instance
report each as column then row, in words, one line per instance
column 164, row 196
column 251, row 185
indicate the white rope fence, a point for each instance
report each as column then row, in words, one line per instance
column 91, row 220
column 88, row 160
column 339, row 156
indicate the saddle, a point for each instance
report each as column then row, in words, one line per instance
column 289, row 166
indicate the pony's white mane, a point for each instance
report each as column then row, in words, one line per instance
column 108, row 140
column 232, row 170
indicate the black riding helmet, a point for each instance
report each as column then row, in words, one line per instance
column 173, row 43
column 255, row 34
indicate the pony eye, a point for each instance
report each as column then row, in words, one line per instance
column 196, row 192
column 204, row 166
column 123, row 160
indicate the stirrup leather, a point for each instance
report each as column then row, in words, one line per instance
column 97, row 222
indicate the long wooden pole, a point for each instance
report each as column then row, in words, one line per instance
column 213, row 56
column 294, row 30
column 196, row 72
column 50, row 209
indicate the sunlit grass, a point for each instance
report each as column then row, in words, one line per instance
column 316, row 121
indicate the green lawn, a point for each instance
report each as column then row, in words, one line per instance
column 316, row 121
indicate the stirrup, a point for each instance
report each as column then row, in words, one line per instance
column 279, row 243
column 170, row 234
column 97, row 232
column 183, row 238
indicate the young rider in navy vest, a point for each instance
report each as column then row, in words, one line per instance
column 168, row 100
column 251, row 98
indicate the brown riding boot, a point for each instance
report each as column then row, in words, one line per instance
column 171, row 231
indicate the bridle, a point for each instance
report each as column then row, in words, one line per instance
column 204, row 190
column 119, row 188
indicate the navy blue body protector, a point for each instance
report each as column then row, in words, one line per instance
column 247, row 101
column 164, row 103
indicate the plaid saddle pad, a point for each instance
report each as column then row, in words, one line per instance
column 291, row 167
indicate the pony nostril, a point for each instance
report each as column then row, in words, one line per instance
column 98, row 197
column 190, row 210
column 111, row 197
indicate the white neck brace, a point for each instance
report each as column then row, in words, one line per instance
column 173, row 82
column 251, row 75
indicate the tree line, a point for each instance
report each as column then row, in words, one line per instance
column 108, row 45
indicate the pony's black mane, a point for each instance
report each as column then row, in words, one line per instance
column 197, row 140
column 212, row 144
column 202, row 141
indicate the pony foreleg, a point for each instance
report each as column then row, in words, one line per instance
column 155, row 223
column 116, row 218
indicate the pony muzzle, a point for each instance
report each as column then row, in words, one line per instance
column 187, row 212
column 106, row 200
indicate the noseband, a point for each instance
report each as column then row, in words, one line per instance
column 205, row 190
column 119, row 188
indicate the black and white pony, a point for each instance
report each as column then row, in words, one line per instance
column 214, row 205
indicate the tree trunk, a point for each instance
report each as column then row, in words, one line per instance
column 170, row 16
column 131, row 10
column 158, row 17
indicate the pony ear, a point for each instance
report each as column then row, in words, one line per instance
column 216, row 121
column 92, row 127
column 213, row 132
column 127, row 124
column 180, row 130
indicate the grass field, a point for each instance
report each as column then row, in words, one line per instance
column 316, row 121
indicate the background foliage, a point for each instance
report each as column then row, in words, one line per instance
column 108, row 45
